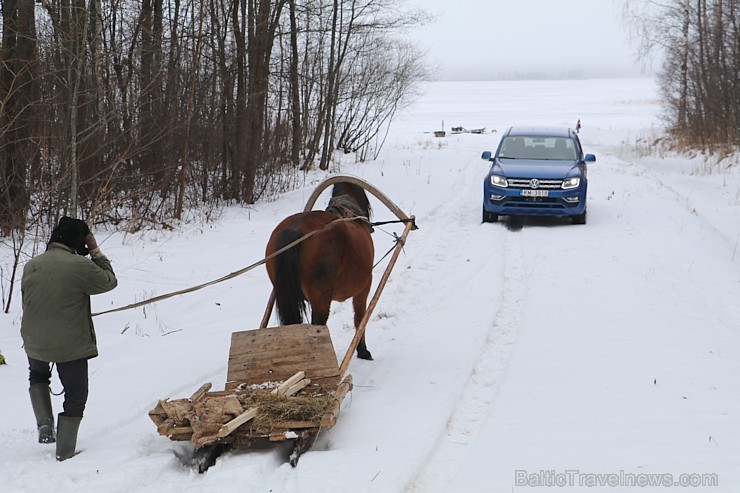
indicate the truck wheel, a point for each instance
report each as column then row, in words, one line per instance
column 489, row 217
column 579, row 219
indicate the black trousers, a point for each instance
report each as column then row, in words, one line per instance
column 73, row 375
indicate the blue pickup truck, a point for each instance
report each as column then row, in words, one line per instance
column 537, row 171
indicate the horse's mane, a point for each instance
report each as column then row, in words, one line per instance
column 356, row 192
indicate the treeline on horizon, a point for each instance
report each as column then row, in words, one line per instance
column 131, row 113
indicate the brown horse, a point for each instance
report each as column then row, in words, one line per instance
column 334, row 264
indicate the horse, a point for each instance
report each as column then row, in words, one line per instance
column 334, row 264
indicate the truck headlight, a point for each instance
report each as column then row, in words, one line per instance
column 571, row 182
column 499, row 181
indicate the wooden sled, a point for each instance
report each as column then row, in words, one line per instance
column 283, row 383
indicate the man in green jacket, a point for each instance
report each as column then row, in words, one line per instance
column 57, row 326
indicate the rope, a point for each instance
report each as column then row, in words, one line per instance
column 228, row 276
column 397, row 240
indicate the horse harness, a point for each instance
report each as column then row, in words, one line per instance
column 343, row 206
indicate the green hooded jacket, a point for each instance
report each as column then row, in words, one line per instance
column 57, row 322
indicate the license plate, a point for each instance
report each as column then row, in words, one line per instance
column 535, row 193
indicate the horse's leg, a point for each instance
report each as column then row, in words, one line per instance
column 359, row 303
column 320, row 310
column 318, row 275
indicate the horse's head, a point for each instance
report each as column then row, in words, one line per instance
column 348, row 199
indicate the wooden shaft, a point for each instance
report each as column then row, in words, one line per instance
column 374, row 301
column 268, row 310
column 330, row 416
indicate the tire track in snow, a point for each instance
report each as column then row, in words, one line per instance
column 688, row 200
column 692, row 209
column 478, row 397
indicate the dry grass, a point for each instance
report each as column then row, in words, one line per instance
column 274, row 408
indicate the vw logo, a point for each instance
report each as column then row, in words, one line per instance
column 534, row 183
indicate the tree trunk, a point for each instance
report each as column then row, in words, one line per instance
column 295, row 94
column 263, row 20
column 189, row 108
column 19, row 93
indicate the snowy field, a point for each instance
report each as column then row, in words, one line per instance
column 509, row 357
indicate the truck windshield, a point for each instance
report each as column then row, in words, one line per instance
column 538, row 148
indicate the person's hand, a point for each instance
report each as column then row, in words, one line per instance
column 90, row 242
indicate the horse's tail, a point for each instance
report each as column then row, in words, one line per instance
column 289, row 297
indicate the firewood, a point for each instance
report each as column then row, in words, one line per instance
column 298, row 386
column 283, row 387
column 287, row 388
column 235, row 423
column 198, row 395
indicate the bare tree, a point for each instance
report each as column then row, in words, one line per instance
column 380, row 80
column 152, row 107
column 700, row 40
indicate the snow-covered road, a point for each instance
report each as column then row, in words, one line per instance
column 506, row 355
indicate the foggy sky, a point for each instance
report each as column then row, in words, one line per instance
column 482, row 39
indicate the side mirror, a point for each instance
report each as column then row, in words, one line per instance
column 590, row 158
column 486, row 155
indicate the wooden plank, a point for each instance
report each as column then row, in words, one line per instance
column 279, row 435
column 290, row 425
column 174, row 430
column 235, row 423
column 201, row 392
column 289, row 336
column 293, row 389
column 287, row 384
column 166, row 406
column 158, row 415
column 276, row 353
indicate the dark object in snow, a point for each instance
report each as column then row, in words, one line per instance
column 463, row 130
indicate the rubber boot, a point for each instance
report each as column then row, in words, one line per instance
column 67, row 427
column 41, row 402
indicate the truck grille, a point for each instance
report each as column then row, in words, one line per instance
column 535, row 183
